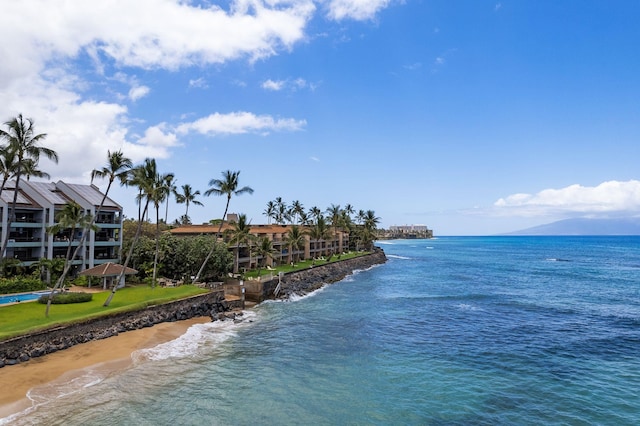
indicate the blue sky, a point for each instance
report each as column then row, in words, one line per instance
column 472, row 117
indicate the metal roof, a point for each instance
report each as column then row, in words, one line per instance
column 49, row 192
column 7, row 197
column 92, row 195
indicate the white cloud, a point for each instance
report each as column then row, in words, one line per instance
column 359, row 10
column 314, row 158
column 239, row 123
column 151, row 34
column 608, row 197
column 85, row 113
column 273, row 85
column 288, row 84
column 198, row 83
column 138, row 92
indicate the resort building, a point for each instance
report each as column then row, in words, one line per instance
column 37, row 208
column 406, row 231
column 277, row 234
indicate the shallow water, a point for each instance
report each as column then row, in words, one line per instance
column 493, row 330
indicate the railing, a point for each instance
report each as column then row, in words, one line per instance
column 26, row 220
column 24, row 239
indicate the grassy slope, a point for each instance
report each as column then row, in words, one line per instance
column 27, row 317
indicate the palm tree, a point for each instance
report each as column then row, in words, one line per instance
column 171, row 188
column 24, row 143
column 8, row 165
column 295, row 239
column 30, row 169
column 280, row 211
column 297, row 210
column 143, row 177
column 160, row 191
column 227, row 186
column 334, row 215
column 315, row 212
column 320, row 231
column 188, row 196
column 270, row 211
column 349, row 210
column 72, row 217
column 368, row 232
column 118, row 167
column 239, row 234
column 263, row 249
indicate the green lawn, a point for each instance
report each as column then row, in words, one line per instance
column 305, row 264
column 26, row 317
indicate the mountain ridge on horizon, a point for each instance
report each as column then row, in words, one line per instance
column 585, row 226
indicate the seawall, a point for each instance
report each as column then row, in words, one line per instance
column 308, row 280
column 22, row 348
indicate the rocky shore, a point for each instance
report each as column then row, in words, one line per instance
column 23, row 348
column 306, row 281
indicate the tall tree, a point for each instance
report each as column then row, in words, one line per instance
column 280, row 212
column 118, row 168
column 71, row 217
column 169, row 182
column 270, row 211
column 144, row 177
column 25, row 144
column 334, row 214
column 160, row 191
column 227, row 186
column 369, row 227
column 187, row 196
column 239, row 235
column 263, row 249
column 295, row 239
column 8, row 166
column 320, row 232
column 297, row 211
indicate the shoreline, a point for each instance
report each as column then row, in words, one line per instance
column 108, row 355
column 144, row 329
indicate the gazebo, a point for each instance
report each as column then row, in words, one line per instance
column 108, row 272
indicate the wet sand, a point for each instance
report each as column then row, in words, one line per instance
column 111, row 354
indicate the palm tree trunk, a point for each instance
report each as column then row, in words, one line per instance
column 67, row 265
column 213, row 247
column 126, row 262
column 12, row 218
column 155, row 258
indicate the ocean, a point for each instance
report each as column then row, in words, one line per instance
column 450, row 331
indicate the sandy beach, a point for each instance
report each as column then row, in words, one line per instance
column 111, row 354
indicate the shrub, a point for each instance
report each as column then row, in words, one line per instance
column 66, row 298
column 81, row 281
column 21, row 285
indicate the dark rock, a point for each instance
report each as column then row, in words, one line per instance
column 59, row 338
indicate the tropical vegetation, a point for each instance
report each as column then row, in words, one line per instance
column 146, row 246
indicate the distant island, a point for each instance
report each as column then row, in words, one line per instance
column 586, row 226
column 409, row 232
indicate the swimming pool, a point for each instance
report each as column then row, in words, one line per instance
column 22, row 297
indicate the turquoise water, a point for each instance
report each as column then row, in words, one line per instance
column 22, row 297
column 455, row 331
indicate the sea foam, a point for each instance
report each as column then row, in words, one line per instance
column 198, row 338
